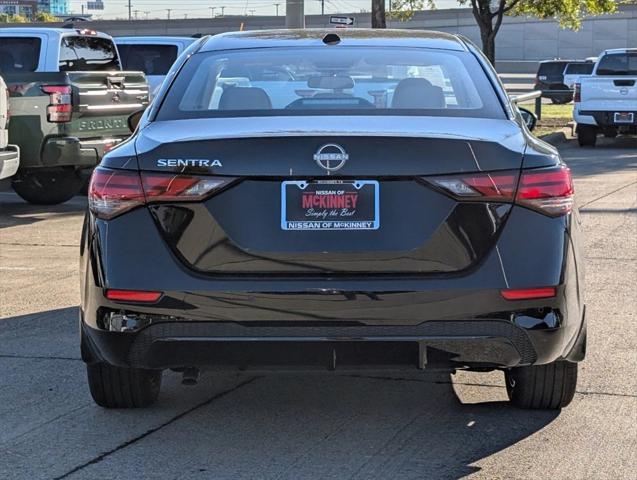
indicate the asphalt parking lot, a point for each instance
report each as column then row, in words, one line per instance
column 341, row 425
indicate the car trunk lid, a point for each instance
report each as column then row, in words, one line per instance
column 413, row 227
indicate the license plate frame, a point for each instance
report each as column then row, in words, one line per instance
column 624, row 117
column 348, row 215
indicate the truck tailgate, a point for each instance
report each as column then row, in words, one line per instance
column 102, row 101
column 615, row 94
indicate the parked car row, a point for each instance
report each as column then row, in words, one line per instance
column 70, row 93
column 604, row 91
column 556, row 78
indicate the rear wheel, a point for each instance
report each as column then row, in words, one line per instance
column 586, row 135
column 561, row 100
column 550, row 386
column 118, row 387
column 47, row 186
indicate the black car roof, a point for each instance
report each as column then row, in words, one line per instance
column 348, row 36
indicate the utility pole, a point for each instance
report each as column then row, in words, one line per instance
column 169, row 10
column 185, row 16
column 294, row 13
column 212, row 12
column 322, row 7
column 136, row 12
column 222, row 9
column 251, row 12
column 276, row 5
column 146, row 12
column 130, row 7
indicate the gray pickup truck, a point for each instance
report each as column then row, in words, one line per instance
column 69, row 105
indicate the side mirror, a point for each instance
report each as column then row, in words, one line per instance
column 134, row 118
column 529, row 118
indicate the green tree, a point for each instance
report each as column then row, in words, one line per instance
column 5, row 18
column 490, row 13
column 45, row 17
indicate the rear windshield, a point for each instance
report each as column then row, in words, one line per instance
column 19, row 54
column 88, row 53
column 618, row 64
column 552, row 68
column 331, row 81
column 579, row 68
column 150, row 59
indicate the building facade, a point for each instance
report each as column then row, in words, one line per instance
column 26, row 8
column 54, row 7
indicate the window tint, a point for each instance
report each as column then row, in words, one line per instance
column 579, row 68
column 19, row 54
column 618, row 64
column 88, row 53
column 343, row 81
column 150, row 59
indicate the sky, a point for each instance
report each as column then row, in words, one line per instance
column 201, row 8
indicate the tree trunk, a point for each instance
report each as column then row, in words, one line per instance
column 488, row 45
column 378, row 14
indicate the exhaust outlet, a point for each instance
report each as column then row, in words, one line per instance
column 190, row 376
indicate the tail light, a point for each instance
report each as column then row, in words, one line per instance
column 60, row 105
column 499, row 186
column 547, row 190
column 113, row 192
column 8, row 106
column 577, row 92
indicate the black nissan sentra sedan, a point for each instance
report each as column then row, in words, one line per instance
column 331, row 199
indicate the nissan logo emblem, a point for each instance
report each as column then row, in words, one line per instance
column 331, row 157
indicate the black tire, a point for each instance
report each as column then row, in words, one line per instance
column 118, row 387
column 586, row 135
column 550, row 386
column 47, row 186
column 561, row 100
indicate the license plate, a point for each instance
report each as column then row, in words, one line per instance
column 330, row 205
column 624, row 117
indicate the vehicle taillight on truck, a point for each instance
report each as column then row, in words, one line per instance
column 577, row 89
column 8, row 106
column 60, row 106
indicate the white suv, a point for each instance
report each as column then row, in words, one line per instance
column 9, row 154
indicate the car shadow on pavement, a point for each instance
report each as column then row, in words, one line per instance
column 360, row 427
column 14, row 212
column 363, row 425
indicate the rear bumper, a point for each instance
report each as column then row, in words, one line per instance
column 602, row 118
column 558, row 91
column 72, row 151
column 455, row 344
column 9, row 161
